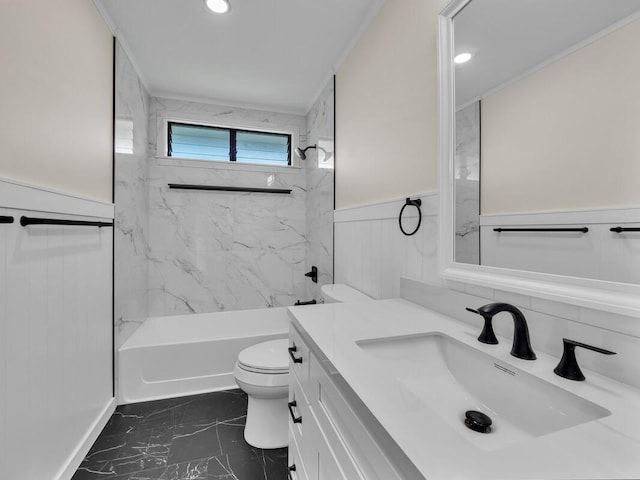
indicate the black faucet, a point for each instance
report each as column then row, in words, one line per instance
column 521, row 343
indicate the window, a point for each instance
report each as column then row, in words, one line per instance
column 202, row 142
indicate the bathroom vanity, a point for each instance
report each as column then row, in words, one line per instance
column 379, row 390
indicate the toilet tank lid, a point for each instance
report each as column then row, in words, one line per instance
column 271, row 355
column 343, row 293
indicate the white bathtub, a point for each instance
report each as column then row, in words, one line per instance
column 188, row 354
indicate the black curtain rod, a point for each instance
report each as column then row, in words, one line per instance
column 179, row 186
column 582, row 229
column 24, row 221
column 624, row 229
column 5, row 219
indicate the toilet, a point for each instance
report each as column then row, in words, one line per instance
column 262, row 372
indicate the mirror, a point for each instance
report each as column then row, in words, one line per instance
column 539, row 161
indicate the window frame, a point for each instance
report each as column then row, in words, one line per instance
column 233, row 130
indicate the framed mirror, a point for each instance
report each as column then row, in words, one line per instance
column 539, row 149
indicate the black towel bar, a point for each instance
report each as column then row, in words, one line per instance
column 24, row 221
column 624, row 229
column 179, row 186
column 6, row 219
column 581, row 229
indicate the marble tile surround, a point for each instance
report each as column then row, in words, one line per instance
column 319, row 201
column 131, row 199
column 467, row 185
column 184, row 252
column 215, row 251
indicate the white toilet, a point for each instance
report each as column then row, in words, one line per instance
column 262, row 372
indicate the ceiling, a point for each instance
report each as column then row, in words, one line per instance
column 273, row 54
column 509, row 38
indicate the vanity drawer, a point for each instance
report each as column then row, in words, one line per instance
column 298, row 357
column 295, row 460
column 342, row 426
column 304, row 429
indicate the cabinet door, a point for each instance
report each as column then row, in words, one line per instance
column 297, row 470
column 304, row 429
column 328, row 468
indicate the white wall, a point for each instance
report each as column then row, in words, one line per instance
column 56, row 96
column 55, row 331
column 371, row 253
column 386, row 111
column 566, row 137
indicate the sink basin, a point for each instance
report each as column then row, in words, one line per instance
column 450, row 378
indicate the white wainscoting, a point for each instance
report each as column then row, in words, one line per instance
column 371, row 253
column 599, row 254
column 56, row 326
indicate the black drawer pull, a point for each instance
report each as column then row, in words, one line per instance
column 293, row 357
column 292, row 468
column 295, row 419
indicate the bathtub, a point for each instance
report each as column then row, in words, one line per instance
column 189, row 354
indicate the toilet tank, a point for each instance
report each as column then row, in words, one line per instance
column 339, row 293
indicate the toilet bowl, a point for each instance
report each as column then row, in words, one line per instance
column 262, row 372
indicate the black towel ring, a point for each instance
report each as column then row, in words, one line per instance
column 414, row 203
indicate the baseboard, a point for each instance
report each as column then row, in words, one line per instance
column 75, row 459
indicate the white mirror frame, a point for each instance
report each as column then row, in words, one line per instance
column 619, row 298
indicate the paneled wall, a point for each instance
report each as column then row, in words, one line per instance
column 56, row 330
column 371, row 253
column 598, row 254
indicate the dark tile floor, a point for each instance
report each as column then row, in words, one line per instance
column 188, row 438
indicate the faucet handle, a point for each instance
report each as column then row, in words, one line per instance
column 568, row 366
column 487, row 335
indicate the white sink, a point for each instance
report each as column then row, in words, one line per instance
column 450, row 378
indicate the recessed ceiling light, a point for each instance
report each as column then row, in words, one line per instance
column 217, row 6
column 462, row 58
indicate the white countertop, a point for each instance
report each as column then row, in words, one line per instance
column 607, row 448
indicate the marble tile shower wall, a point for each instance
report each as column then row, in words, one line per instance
column 467, row 171
column 319, row 205
column 131, row 199
column 214, row 251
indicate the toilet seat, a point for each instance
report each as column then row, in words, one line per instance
column 269, row 358
column 260, row 379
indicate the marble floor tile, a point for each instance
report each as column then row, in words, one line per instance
column 196, row 437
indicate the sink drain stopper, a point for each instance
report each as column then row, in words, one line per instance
column 477, row 421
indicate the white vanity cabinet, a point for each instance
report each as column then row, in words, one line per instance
column 327, row 439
